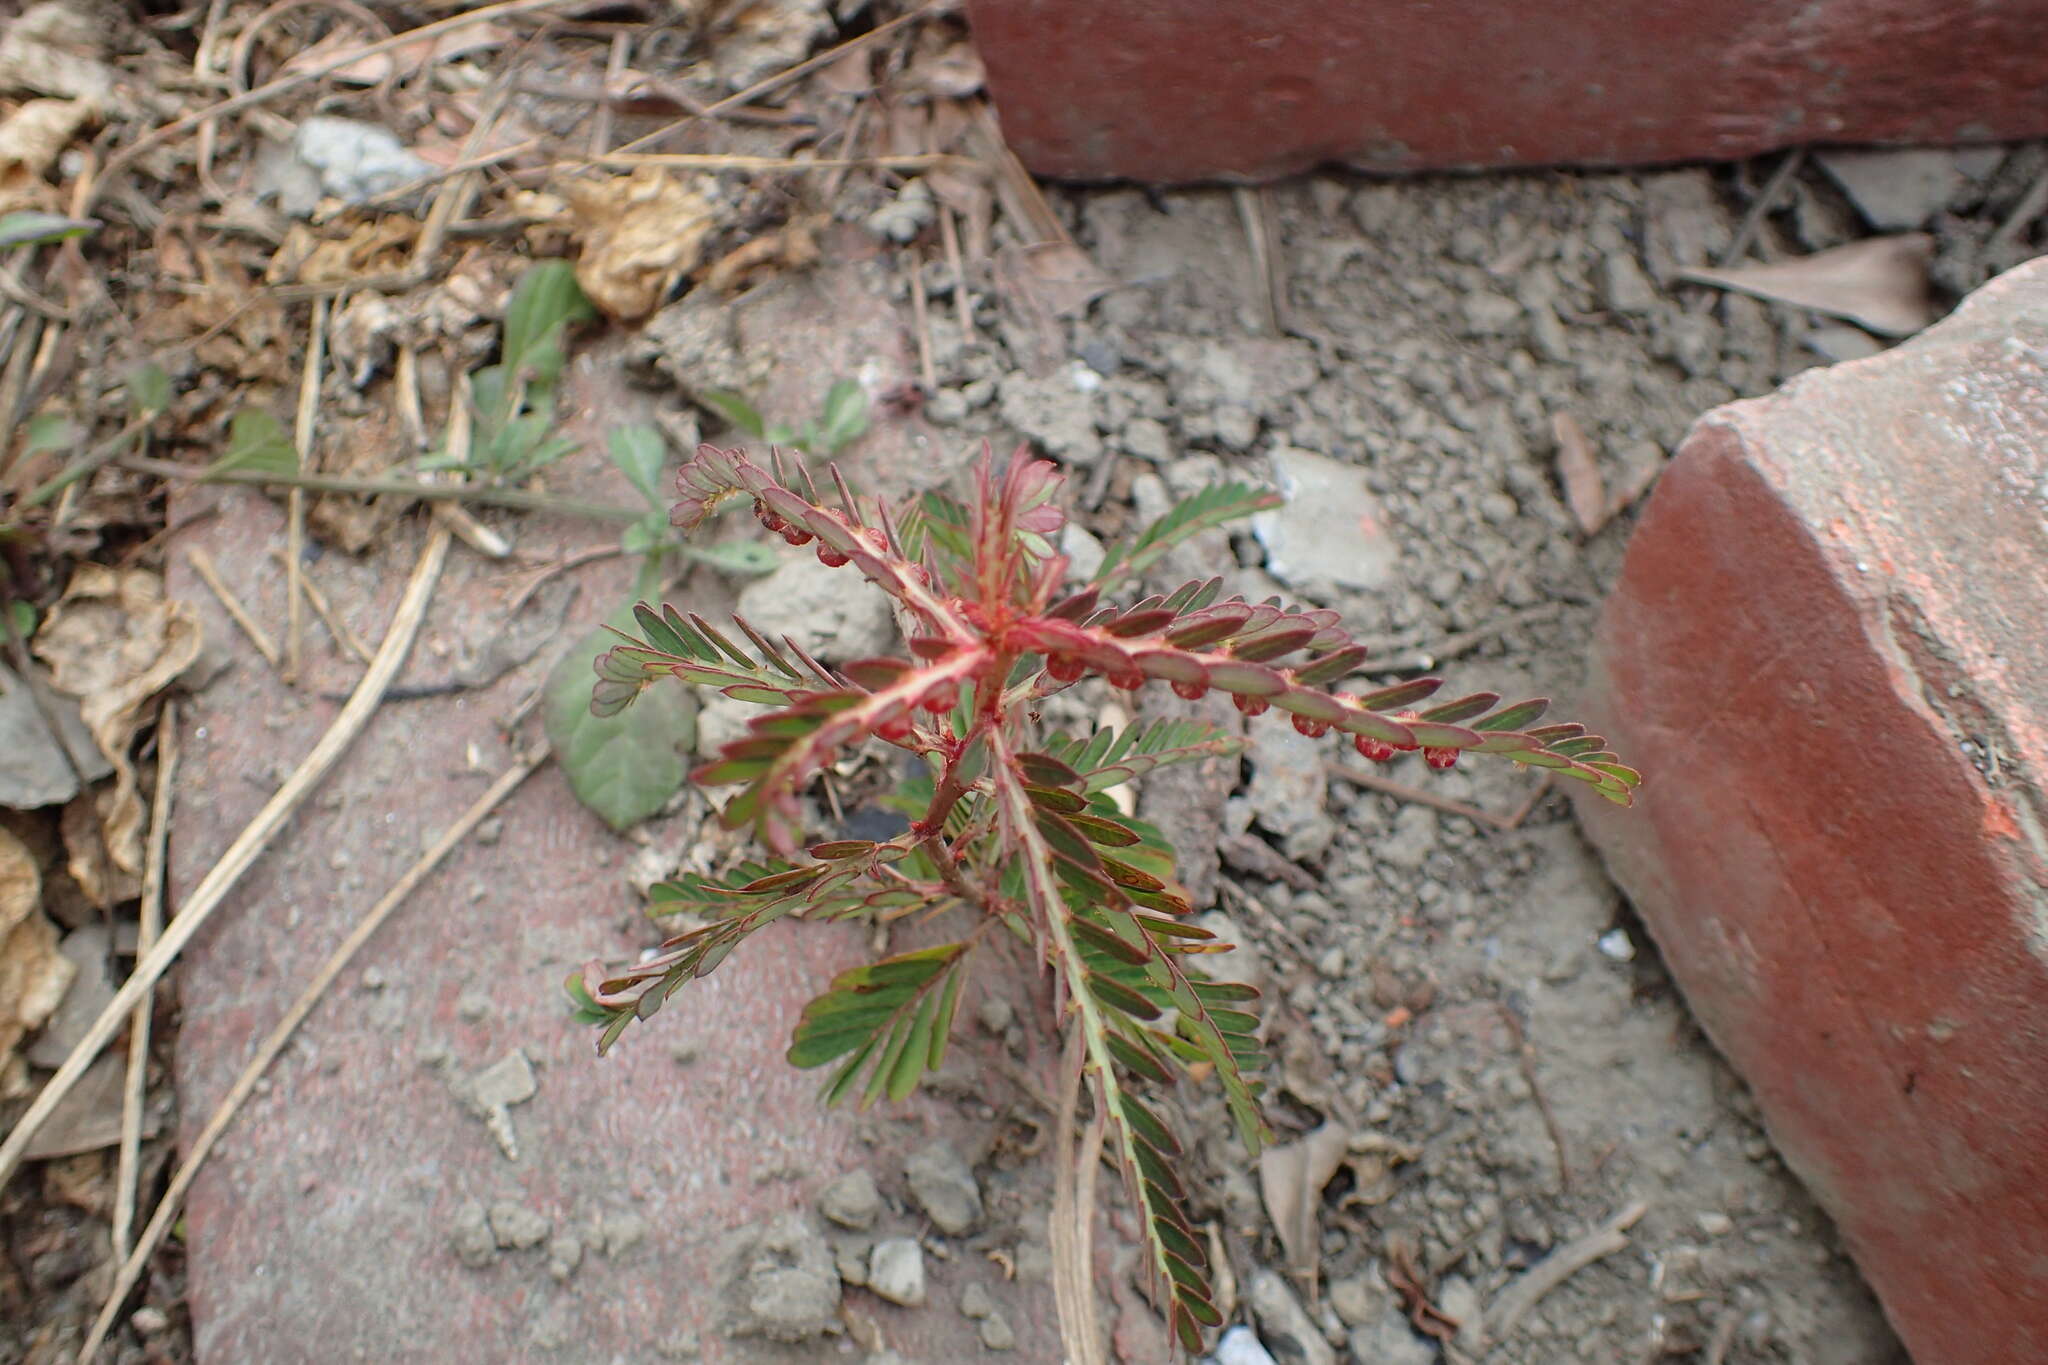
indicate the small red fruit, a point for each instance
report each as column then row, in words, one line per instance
column 1411, row 745
column 1310, row 726
column 1251, row 706
column 1192, row 691
column 830, row 557
column 1378, row 750
column 1064, row 668
column 1440, row 758
column 770, row 518
column 895, row 729
column 1127, row 679
column 940, row 700
column 795, row 534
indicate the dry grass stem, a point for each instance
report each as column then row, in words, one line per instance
column 337, row 961
column 202, row 564
column 128, row 1163
column 213, row 889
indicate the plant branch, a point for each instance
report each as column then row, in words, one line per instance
column 213, row 889
column 410, row 488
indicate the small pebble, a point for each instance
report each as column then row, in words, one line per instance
column 896, row 1271
column 852, row 1201
column 996, row 1334
column 975, row 1302
column 149, row 1321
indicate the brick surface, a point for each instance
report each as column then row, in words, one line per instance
column 1828, row 652
column 335, row 1219
column 1172, row 90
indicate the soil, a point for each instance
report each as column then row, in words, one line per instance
column 1476, row 1006
column 1454, row 988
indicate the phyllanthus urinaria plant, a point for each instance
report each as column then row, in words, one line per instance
column 1012, row 831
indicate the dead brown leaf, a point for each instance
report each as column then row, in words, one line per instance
column 1372, row 1158
column 1880, row 283
column 85, row 852
column 88, row 1118
column 373, row 247
column 1057, row 278
column 409, row 58
column 114, row 641
column 30, row 139
column 58, row 49
column 793, row 246
column 946, row 70
column 640, row 234
column 1043, row 283
column 1578, row 470
column 33, row 974
column 1291, row 1178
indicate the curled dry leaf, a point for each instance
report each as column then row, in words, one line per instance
column 1578, row 470
column 409, row 58
column 1291, row 1179
column 33, row 974
column 114, row 641
column 30, row 139
column 640, row 233
column 57, row 48
column 1880, row 283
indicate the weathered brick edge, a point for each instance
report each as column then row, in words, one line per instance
column 1828, row 651
column 1178, row 90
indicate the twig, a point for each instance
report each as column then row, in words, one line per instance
column 407, row 488
column 1724, row 1335
column 1421, row 796
column 1070, row 1235
column 1526, row 1289
column 721, row 161
column 109, row 449
column 1528, row 806
column 2026, row 211
column 1421, row 659
column 575, row 561
column 1527, row 1056
column 1766, row 198
column 177, row 128
column 213, row 889
column 784, row 77
column 336, row 626
column 614, row 70
column 202, row 564
column 963, row 302
column 921, row 317
column 337, row 962
column 1251, row 213
column 128, row 1167
column 295, row 505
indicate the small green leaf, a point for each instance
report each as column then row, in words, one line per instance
column 22, row 617
column 845, row 418
column 737, row 411
column 627, row 765
column 27, row 227
column 644, row 535
column 50, row 431
column 258, row 441
column 735, row 556
column 149, row 389
column 639, row 451
column 546, row 301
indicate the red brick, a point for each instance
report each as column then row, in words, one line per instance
column 321, row 1228
column 1175, row 90
column 1828, row 651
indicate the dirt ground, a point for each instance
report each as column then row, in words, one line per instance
column 1463, row 1011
